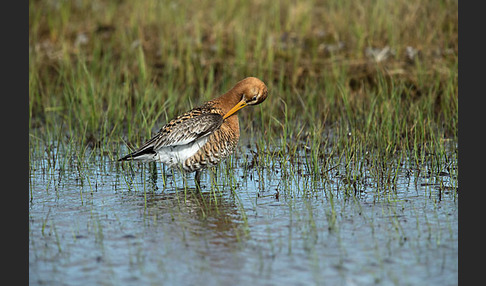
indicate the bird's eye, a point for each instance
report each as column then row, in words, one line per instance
column 254, row 98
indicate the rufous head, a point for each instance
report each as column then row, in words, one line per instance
column 252, row 91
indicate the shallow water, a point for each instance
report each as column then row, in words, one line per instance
column 102, row 223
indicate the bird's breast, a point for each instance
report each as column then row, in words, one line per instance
column 220, row 144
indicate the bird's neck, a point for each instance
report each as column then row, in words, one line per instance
column 229, row 99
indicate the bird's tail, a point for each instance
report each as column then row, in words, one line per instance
column 146, row 154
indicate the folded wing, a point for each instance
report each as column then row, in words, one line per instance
column 183, row 130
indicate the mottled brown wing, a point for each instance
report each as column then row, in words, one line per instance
column 180, row 131
column 184, row 130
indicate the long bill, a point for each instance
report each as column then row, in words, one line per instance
column 237, row 107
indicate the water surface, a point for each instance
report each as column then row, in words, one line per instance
column 98, row 222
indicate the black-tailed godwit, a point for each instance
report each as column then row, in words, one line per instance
column 204, row 135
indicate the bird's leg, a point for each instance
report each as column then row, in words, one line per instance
column 197, row 179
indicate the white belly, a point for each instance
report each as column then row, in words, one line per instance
column 175, row 155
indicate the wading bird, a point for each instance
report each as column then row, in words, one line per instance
column 204, row 135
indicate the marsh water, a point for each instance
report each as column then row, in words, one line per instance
column 93, row 221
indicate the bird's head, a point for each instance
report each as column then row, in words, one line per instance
column 252, row 92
